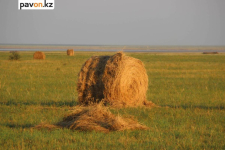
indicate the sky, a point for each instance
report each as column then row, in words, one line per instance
column 116, row 22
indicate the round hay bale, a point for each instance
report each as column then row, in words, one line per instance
column 118, row 80
column 210, row 53
column 70, row 52
column 39, row 55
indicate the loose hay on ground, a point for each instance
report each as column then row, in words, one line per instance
column 39, row 55
column 95, row 117
column 118, row 80
column 70, row 52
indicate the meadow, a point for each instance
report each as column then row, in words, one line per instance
column 189, row 88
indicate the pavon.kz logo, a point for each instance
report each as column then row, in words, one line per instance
column 36, row 4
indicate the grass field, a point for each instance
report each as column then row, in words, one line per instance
column 189, row 87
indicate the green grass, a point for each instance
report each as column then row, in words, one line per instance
column 189, row 87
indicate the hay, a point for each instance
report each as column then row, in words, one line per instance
column 94, row 117
column 210, row 53
column 118, row 80
column 70, row 52
column 39, row 55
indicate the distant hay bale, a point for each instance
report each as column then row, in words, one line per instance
column 70, row 52
column 94, row 117
column 118, row 80
column 39, row 55
column 210, row 53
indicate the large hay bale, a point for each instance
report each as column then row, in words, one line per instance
column 94, row 117
column 118, row 80
column 70, row 52
column 39, row 55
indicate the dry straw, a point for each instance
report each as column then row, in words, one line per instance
column 39, row 55
column 118, row 80
column 70, row 52
column 94, row 117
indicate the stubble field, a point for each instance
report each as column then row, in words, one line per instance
column 190, row 88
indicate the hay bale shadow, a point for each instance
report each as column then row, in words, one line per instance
column 195, row 107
